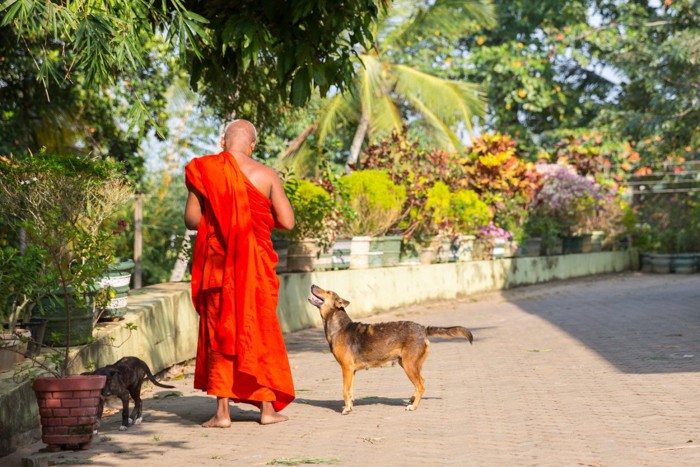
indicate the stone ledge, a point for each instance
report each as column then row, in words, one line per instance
column 167, row 323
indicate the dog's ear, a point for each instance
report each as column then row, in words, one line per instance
column 341, row 303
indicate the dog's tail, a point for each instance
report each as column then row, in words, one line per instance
column 152, row 378
column 452, row 331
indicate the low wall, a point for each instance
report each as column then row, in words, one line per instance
column 166, row 324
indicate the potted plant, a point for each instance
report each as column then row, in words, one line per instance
column 572, row 200
column 377, row 203
column 542, row 235
column 492, row 241
column 467, row 213
column 313, row 234
column 61, row 204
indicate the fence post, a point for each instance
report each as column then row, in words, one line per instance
column 138, row 238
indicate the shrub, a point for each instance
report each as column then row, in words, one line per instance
column 571, row 199
column 313, row 207
column 62, row 203
column 467, row 212
column 376, row 199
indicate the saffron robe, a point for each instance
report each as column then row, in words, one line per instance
column 240, row 352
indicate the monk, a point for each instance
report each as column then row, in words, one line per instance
column 234, row 202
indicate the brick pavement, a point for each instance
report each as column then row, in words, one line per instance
column 597, row 372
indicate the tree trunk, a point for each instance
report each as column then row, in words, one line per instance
column 353, row 159
column 180, row 267
column 298, row 141
column 138, row 239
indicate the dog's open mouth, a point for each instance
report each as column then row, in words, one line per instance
column 314, row 299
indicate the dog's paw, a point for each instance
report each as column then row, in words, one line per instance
column 131, row 421
column 346, row 410
column 94, row 432
column 138, row 421
column 410, row 408
column 123, row 428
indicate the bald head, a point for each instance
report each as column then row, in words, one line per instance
column 240, row 136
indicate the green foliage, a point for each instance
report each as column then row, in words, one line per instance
column 376, row 199
column 544, row 226
column 467, row 212
column 62, row 203
column 20, row 279
column 263, row 54
column 162, row 227
column 417, row 169
column 605, row 66
column 391, row 88
column 68, row 116
column 437, row 208
column 502, row 180
column 312, row 206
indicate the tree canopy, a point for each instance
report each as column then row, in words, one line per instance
column 629, row 70
column 248, row 55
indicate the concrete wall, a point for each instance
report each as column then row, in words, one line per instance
column 167, row 324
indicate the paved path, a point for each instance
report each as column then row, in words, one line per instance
column 595, row 372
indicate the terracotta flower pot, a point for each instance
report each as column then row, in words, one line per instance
column 68, row 409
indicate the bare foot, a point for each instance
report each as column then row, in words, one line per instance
column 216, row 422
column 275, row 417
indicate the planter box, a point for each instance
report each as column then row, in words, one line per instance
column 81, row 322
column 660, row 263
column 391, row 250
column 13, row 346
column 376, row 252
column 359, row 252
column 683, row 263
column 341, row 254
column 464, row 246
column 306, row 256
column 118, row 277
column 532, row 247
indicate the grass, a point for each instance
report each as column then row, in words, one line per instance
column 302, row 461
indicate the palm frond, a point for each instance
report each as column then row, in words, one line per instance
column 443, row 135
column 450, row 18
column 449, row 100
column 386, row 115
column 340, row 108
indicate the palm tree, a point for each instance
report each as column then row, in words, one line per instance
column 389, row 89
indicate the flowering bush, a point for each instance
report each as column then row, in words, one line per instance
column 418, row 170
column 492, row 232
column 503, row 181
column 572, row 199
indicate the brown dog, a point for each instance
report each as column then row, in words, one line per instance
column 358, row 346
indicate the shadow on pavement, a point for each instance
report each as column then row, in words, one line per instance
column 640, row 323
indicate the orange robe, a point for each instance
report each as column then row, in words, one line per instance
column 240, row 352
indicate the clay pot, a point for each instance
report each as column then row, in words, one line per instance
column 68, row 410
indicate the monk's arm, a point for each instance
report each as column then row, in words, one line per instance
column 193, row 210
column 281, row 207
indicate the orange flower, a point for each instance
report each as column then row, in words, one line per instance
column 634, row 157
column 522, row 93
column 643, row 171
column 480, row 40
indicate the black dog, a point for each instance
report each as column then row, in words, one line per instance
column 125, row 378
